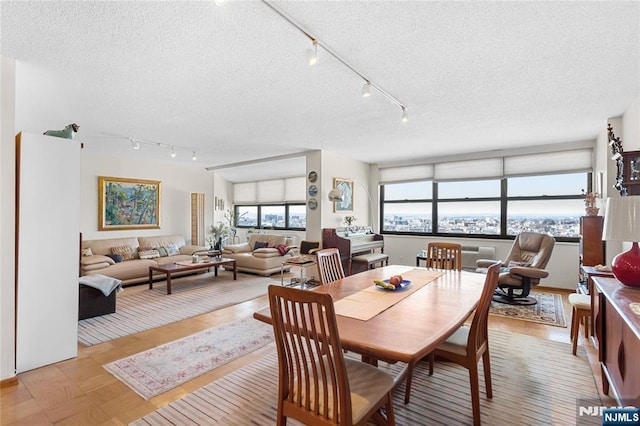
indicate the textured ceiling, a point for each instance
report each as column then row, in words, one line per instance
column 231, row 81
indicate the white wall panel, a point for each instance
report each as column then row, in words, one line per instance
column 48, row 250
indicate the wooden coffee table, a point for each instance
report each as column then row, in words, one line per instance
column 172, row 268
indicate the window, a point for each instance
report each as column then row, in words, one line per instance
column 469, row 207
column 407, row 207
column 278, row 216
column 503, row 207
column 549, row 204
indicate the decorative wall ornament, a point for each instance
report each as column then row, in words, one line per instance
column 66, row 133
column 128, row 204
column 617, row 151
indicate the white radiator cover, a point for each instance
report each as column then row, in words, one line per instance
column 470, row 254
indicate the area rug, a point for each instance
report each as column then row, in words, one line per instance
column 162, row 368
column 139, row 309
column 549, row 310
column 535, row 382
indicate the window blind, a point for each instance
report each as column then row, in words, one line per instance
column 405, row 173
column 575, row 160
column 579, row 160
column 270, row 191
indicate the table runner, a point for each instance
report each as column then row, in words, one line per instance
column 369, row 302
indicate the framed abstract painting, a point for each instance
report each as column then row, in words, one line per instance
column 346, row 186
column 128, row 204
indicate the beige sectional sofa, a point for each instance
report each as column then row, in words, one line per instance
column 252, row 258
column 95, row 256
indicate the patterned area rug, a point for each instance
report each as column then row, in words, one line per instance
column 549, row 310
column 535, row 382
column 139, row 309
column 162, row 368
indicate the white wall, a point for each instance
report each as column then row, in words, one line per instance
column 177, row 184
column 338, row 166
column 7, row 216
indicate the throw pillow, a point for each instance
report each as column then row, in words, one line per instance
column 162, row 251
column 282, row 249
column 116, row 257
column 124, row 251
column 87, row 252
column 260, row 244
column 148, row 254
column 172, row 249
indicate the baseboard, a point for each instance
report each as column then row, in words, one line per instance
column 11, row 381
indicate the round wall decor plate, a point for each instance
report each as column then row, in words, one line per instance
column 313, row 176
column 313, row 190
column 312, row 203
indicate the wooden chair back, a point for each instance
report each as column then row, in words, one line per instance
column 313, row 384
column 441, row 255
column 479, row 330
column 329, row 265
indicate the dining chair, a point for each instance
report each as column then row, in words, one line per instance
column 468, row 344
column 317, row 384
column 441, row 255
column 329, row 265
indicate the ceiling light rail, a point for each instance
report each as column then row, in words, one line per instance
column 136, row 143
column 312, row 58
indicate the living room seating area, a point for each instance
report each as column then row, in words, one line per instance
column 129, row 259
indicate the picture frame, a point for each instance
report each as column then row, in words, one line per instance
column 125, row 203
column 346, row 186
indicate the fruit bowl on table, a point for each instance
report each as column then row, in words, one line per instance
column 403, row 284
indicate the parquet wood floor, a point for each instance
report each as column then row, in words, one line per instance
column 79, row 391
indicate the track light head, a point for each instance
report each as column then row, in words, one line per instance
column 366, row 89
column 193, row 157
column 312, row 54
column 173, row 152
column 405, row 116
column 134, row 143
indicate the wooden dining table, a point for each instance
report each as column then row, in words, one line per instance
column 437, row 303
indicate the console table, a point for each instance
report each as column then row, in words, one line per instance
column 617, row 331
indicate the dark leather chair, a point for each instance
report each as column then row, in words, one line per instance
column 523, row 268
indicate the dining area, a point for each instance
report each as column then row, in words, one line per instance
column 328, row 338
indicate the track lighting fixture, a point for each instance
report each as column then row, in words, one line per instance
column 312, row 58
column 173, row 152
column 193, row 157
column 134, row 143
column 366, row 89
column 404, row 117
column 312, row 54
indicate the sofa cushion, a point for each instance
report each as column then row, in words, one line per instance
column 162, row 251
column 260, row 244
column 148, row 254
column 237, row 248
column 162, row 241
column 172, row 249
column 103, row 247
column 95, row 259
column 87, row 251
column 124, row 251
column 116, row 257
column 272, row 240
column 266, row 252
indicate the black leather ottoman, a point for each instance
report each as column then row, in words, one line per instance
column 92, row 302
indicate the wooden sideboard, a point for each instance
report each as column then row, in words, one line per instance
column 617, row 330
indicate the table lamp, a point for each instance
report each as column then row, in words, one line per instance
column 622, row 223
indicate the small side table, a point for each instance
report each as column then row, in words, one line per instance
column 303, row 262
column 420, row 257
